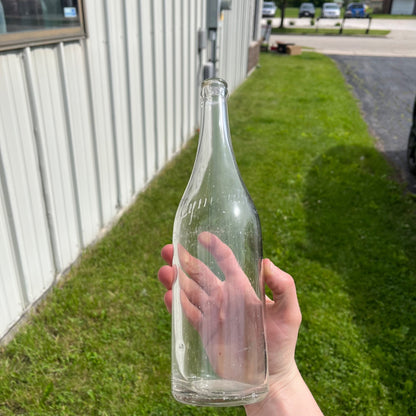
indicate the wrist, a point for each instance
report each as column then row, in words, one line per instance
column 288, row 395
column 284, row 379
column 278, row 385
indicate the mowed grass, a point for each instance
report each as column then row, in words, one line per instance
column 293, row 12
column 333, row 215
column 329, row 31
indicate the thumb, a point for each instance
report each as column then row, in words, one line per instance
column 283, row 288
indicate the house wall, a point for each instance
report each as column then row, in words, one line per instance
column 405, row 7
column 85, row 125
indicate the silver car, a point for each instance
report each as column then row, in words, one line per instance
column 307, row 10
column 269, row 9
column 331, row 10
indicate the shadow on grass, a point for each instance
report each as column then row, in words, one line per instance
column 359, row 228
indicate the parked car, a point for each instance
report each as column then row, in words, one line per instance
column 331, row 10
column 356, row 10
column 411, row 145
column 307, row 10
column 269, row 9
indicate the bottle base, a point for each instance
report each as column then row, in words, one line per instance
column 217, row 393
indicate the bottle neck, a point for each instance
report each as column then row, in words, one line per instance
column 215, row 138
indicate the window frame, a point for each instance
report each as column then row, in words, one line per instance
column 20, row 40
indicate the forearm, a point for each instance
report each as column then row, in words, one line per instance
column 290, row 399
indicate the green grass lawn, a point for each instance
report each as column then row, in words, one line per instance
column 332, row 215
column 293, row 12
column 327, row 31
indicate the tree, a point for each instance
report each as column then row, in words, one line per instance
column 281, row 4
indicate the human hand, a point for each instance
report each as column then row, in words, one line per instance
column 227, row 314
column 282, row 314
column 288, row 393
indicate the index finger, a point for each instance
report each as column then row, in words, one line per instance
column 167, row 253
column 197, row 270
column 224, row 257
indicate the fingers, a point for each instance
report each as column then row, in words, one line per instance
column 167, row 253
column 283, row 288
column 223, row 255
column 166, row 275
column 197, row 271
column 197, row 283
column 191, row 311
column 278, row 281
column 193, row 292
column 194, row 288
column 168, row 300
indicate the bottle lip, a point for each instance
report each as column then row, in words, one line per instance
column 214, row 87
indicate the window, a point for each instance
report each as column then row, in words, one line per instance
column 34, row 22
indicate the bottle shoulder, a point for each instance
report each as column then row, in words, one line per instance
column 223, row 206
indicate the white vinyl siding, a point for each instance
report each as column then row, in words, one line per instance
column 86, row 124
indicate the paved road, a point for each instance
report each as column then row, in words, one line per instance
column 386, row 88
column 382, row 73
column 401, row 41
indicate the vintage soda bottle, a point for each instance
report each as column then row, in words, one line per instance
column 218, row 342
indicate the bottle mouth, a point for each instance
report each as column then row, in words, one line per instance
column 214, row 87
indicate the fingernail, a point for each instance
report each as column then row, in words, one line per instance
column 268, row 266
column 205, row 238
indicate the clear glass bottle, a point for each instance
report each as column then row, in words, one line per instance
column 218, row 341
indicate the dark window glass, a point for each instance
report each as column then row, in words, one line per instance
column 25, row 22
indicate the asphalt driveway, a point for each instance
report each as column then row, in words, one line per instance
column 386, row 89
column 382, row 74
